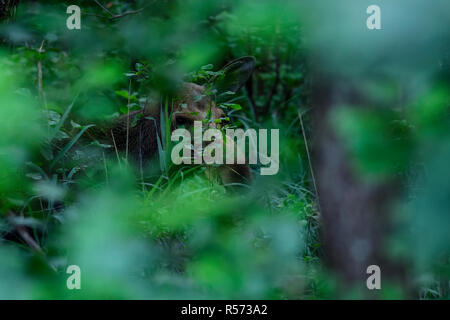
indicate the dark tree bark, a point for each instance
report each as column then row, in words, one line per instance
column 355, row 214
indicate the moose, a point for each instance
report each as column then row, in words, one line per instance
column 192, row 104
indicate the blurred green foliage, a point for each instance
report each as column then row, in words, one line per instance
column 170, row 234
column 175, row 234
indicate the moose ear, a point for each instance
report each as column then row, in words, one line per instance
column 235, row 74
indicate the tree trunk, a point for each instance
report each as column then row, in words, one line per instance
column 355, row 214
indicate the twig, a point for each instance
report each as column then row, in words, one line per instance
column 127, row 13
column 104, row 8
column 40, row 82
column 128, row 121
column 39, row 67
column 23, row 233
column 144, row 189
column 28, row 239
column 309, row 160
column 115, row 147
column 117, row 16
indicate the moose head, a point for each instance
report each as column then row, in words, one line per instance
column 191, row 104
column 195, row 105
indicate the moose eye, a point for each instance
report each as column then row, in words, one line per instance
column 182, row 121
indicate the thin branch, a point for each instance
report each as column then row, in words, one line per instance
column 117, row 16
column 127, row 13
column 22, row 231
column 128, row 120
column 40, row 82
column 39, row 67
column 115, row 148
column 104, row 8
column 309, row 160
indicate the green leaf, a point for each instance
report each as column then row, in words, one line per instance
column 63, row 119
column 124, row 94
column 69, row 145
column 234, row 106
